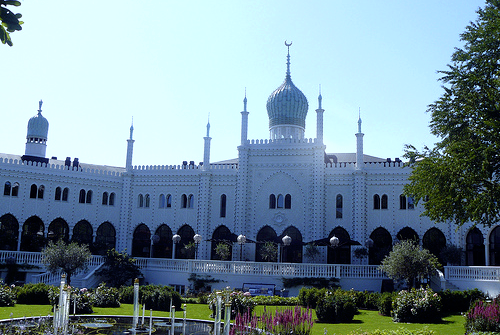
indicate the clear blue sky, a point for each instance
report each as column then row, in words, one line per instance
column 170, row 64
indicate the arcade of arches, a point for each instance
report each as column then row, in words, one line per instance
column 33, row 235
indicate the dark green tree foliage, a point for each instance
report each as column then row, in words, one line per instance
column 459, row 178
column 119, row 269
column 10, row 21
column 407, row 261
column 65, row 257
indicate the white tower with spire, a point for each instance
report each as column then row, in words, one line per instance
column 319, row 119
column 130, row 148
column 206, row 151
column 359, row 145
column 244, row 121
column 36, row 137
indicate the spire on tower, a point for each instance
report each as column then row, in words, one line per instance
column 40, row 106
column 320, row 98
column 132, row 128
column 208, row 126
column 359, row 120
column 245, row 101
column 288, row 59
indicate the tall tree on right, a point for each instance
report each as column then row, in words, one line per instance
column 459, row 179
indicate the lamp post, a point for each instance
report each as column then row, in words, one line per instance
column 241, row 240
column 287, row 240
column 197, row 239
column 334, row 242
column 154, row 239
column 175, row 239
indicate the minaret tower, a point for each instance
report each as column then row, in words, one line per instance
column 319, row 119
column 130, row 148
column 36, row 138
column 359, row 145
column 206, row 151
column 244, row 121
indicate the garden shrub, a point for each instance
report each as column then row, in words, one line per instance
column 104, row 296
column 7, row 296
column 483, row 317
column 308, row 297
column 82, row 296
column 275, row 300
column 384, row 303
column 336, row 306
column 459, row 301
column 240, row 302
column 416, row 305
column 33, row 294
column 159, row 297
column 126, row 294
column 368, row 300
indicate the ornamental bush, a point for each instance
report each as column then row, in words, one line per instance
column 159, row 297
column 240, row 302
column 416, row 305
column 33, row 294
column 7, row 296
column 459, row 301
column 384, row 303
column 104, row 296
column 483, row 316
column 336, row 307
column 308, row 297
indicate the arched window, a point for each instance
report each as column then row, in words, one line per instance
column 32, row 238
column 411, row 203
column 288, row 201
column 221, row 235
column 272, row 201
column 382, row 245
column 181, row 252
column 141, row 200
column 434, row 241
column 342, row 253
column 338, row 206
column 292, row 253
column 169, row 200
column 141, row 241
column 88, row 200
column 402, row 201
column 15, row 189
column 263, row 254
column 191, row 201
column 82, row 233
column 147, row 200
column 33, row 191
column 279, row 201
column 6, row 188
column 474, row 254
column 81, row 198
column 58, row 229
column 58, row 194
column 65, row 194
column 384, row 201
column 112, row 199
column 162, row 201
column 162, row 244
column 184, row 201
column 105, row 238
column 105, row 198
column 408, row 233
column 495, row 247
column 223, row 206
column 376, row 201
column 9, row 231
column 41, row 190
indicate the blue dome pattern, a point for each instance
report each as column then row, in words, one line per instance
column 287, row 105
column 38, row 127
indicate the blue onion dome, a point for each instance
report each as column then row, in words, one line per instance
column 38, row 126
column 287, row 105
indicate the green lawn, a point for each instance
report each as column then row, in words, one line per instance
column 365, row 320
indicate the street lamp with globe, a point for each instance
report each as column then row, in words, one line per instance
column 175, row 239
column 241, row 240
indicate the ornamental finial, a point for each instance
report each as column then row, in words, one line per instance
column 40, row 105
column 288, row 58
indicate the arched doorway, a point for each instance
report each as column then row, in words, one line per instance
column 474, row 254
column 265, row 234
column 382, row 245
column 185, row 248
column 434, row 241
column 58, row 229
column 408, row 233
column 105, row 238
column 82, row 233
column 32, row 238
column 342, row 253
column 141, row 241
column 293, row 252
column 495, row 246
column 162, row 245
column 221, row 235
column 9, row 231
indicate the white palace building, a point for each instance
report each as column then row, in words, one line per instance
column 288, row 189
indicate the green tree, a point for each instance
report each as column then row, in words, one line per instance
column 409, row 262
column 458, row 180
column 118, row 269
column 10, row 21
column 65, row 257
column 223, row 251
column 269, row 251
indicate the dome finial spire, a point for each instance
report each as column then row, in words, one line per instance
column 40, row 106
column 288, row 59
column 245, row 101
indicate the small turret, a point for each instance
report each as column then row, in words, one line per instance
column 36, row 138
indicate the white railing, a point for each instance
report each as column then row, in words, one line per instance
column 22, row 257
column 262, row 269
column 488, row 273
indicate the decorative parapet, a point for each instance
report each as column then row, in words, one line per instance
column 284, row 141
column 62, row 167
column 366, row 165
column 184, row 167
